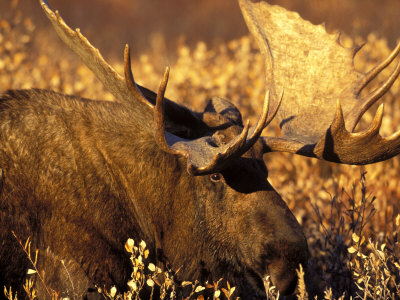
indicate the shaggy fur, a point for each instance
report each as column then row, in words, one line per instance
column 80, row 177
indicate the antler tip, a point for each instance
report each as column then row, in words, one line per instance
column 266, row 101
column 44, row 3
column 338, row 105
column 166, row 73
column 376, row 122
column 127, row 52
column 338, row 121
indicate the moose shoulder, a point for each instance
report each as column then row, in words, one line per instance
column 81, row 176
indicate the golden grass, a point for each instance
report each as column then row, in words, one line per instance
column 349, row 214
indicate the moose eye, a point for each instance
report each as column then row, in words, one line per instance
column 215, row 177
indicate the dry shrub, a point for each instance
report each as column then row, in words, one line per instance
column 352, row 225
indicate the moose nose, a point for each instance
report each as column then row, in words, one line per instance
column 283, row 278
column 282, row 268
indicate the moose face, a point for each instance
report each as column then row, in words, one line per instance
column 269, row 239
column 251, row 227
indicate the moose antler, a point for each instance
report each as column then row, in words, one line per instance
column 322, row 89
column 92, row 58
column 204, row 155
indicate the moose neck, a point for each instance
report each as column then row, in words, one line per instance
column 155, row 186
column 159, row 194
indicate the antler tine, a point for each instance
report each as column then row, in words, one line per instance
column 376, row 123
column 159, row 134
column 269, row 120
column 341, row 146
column 233, row 148
column 92, row 58
column 216, row 157
column 236, row 144
column 130, row 81
column 261, row 124
column 338, row 120
column 262, row 121
column 243, row 143
column 357, row 112
column 376, row 70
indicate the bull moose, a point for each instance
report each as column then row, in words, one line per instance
column 81, row 176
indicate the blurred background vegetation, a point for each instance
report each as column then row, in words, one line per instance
column 142, row 23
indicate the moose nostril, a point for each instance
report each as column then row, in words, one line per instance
column 286, row 285
column 283, row 277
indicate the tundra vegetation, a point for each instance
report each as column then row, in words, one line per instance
column 352, row 226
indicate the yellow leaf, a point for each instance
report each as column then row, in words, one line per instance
column 113, row 291
column 355, row 237
column 217, row 294
column 398, row 220
column 142, row 246
column 30, row 272
column 150, row 282
column 232, row 290
column 132, row 285
column 152, row 267
column 225, row 292
column 352, row 250
column 27, row 242
column 129, row 245
column 185, row 283
column 199, row 289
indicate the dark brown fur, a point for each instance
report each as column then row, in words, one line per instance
column 81, row 177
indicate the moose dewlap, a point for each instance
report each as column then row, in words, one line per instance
column 81, row 176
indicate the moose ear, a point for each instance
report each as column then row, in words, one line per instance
column 224, row 108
